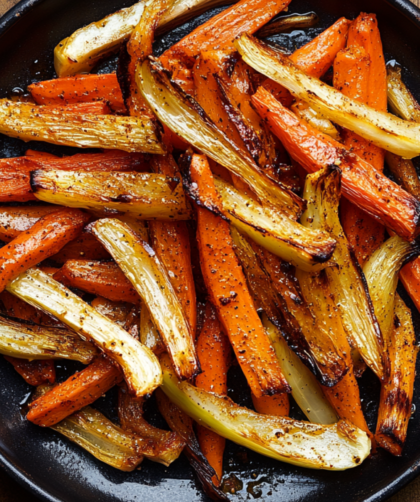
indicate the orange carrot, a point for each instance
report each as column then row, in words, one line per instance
column 40, row 242
column 368, row 189
column 214, row 353
column 40, row 155
column 75, row 393
column 183, row 77
column 171, row 242
column 98, row 278
column 15, row 307
column 278, row 406
column 84, row 247
column 79, row 89
column 360, row 73
column 410, row 277
column 34, row 372
column 229, row 293
column 314, row 58
column 220, row 31
column 15, row 220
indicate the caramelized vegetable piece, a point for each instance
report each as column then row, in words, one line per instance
column 40, row 242
column 366, row 188
column 181, row 423
column 333, row 447
column 358, row 71
column 400, row 99
column 85, row 247
column 131, row 134
column 78, row 391
column 26, row 340
column 150, row 279
column 98, row 278
column 306, row 391
column 130, row 413
column 149, row 335
column 34, row 372
column 214, row 353
column 410, row 277
column 229, row 294
column 397, row 391
column 383, row 129
column 94, row 108
column 140, row 366
column 171, row 242
column 315, row 120
column 220, row 31
column 315, row 57
column 145, row 195
column 405, row 173
column 18, row 219
column 288, row 22
column 185, row 117
column 118, row 312
column 79, row 89
column 277, row 406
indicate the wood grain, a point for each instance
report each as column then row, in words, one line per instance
column 10, row 491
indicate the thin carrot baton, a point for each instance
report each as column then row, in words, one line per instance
column 370, row 190
column 229, row 293
column 214, row 353
column 171, row 242
column 40, row 242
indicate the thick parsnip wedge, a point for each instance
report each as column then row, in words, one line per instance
column 306, row 391
column 139, row 364
column 400, row 100
column 185, row 117
column 397, row 391
column 286, row 238
column 103, row 439
column 130, row 134
column 148, row 196
column 139, row 263
column 383, row 129
column 348, row 284
column 332, row 447
column 26, row 340
column 80, row 52
column 381, row 272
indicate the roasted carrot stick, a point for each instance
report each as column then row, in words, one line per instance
column 15, row 172
column 278, row 405
column 229, row 293
column 171, row 242
column 85, row 247
column 410, row 277
column 314, row 58
column 79, row 89
column 15, row 220
column 362, row 185
column 220, row 31
column 40, row 155
column 15, row 307
column 184, row 78
column 34, row 372
column 40, row 242
column 78, row 391
column 360, row 73
column 98, row 278
column 214, row 353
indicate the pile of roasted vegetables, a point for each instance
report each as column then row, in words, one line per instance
column 235, row 212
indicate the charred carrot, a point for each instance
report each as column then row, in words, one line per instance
column 78, row 391
column 171, row 242
column 229, row 293
column 362, row 185
column 98, row 278
column 220, row 31
column 214, row 353
column 79, row 89
column 40, row 242
column 183, row 77
column 314, row 58
column 278, row 406
column 34, row 372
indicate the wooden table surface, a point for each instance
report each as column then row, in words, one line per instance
column 10, row 491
